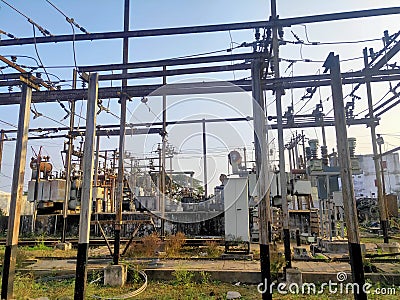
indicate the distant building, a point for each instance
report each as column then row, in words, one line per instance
column 365, row 185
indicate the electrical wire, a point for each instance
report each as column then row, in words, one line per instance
column 47, row 74
column 44, row 31
column 9, row 124
column 297, row 42
column 69, row 20
column 309, row 60
column 37, row 53
column 72, row 23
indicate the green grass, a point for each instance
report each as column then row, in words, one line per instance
column 27, row 288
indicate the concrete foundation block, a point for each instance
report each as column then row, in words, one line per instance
column 115, row 275
column 390, row 247
column 64, row 246
column 294, row 276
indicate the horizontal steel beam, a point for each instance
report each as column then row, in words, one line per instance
column 103, row 132
column 167, row 73
column 173, row 62
column 113, row 130
column 364, row 121
column 135, row 125
column 203, row 29
column 201, row 87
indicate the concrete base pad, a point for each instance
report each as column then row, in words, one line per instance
column 115, row 275
column 294, row 275
column 64, row 246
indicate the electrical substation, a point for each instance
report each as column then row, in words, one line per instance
column 134, row 151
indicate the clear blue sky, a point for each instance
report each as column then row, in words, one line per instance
column 101, row 15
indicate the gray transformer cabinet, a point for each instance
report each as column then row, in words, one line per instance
column 236, row 206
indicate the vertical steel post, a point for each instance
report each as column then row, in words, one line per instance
column 120, row 176
column 279, row 122
column 7, row 284
column 95, row 179
column 383, row 214
column 163, row 149
column 2, row 137
column 303, row 142
column 245, row 157
column 260, row 145
column 296, row 151
column 205, row 159
column 96, row 161
column 357, row 269
column 87, row 189
column 68, row 159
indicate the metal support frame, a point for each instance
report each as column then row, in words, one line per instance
column 87, row 190
column 350, row 211
column 7, row 284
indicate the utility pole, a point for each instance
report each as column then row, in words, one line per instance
column 10, row 254
column 87, row 189
column 279, row 121
column 205, row 159
column 120, row 176
column 68, row 159
column 261, row 149
column 383, row 214
column 349, row 203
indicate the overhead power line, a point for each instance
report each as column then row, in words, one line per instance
column 44, row 31
column 68, row 19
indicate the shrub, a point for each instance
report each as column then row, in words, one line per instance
column 148, row 246
column 183, row 277
column 213, row 249
column 277, row 262
column 175, row 243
